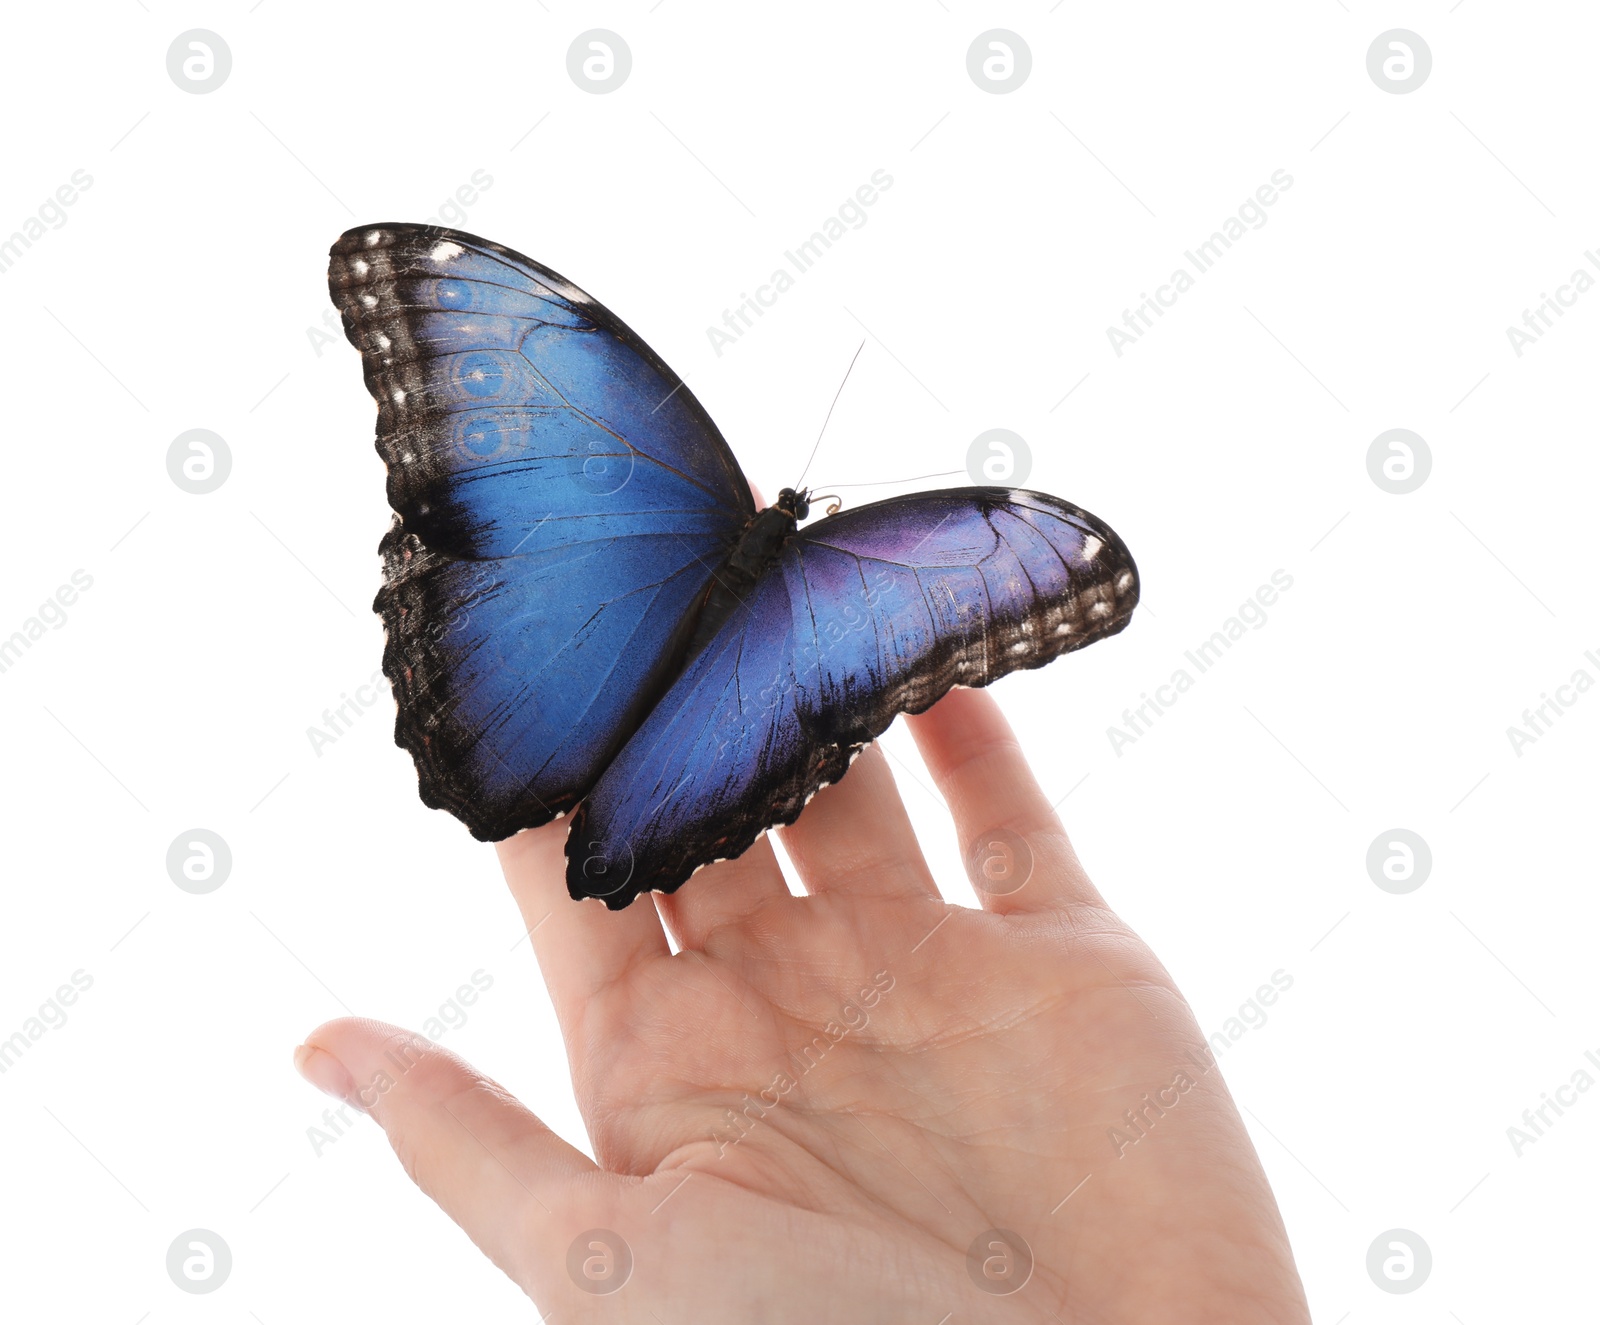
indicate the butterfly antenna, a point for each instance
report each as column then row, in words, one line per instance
column 884, row 482
column 829, row 415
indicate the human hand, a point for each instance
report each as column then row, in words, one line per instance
column 824, row 1107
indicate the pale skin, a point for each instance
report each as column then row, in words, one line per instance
column 973, row 1083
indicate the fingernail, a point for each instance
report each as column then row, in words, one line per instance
column 326, row 1073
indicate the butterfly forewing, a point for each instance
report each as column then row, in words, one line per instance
column 562, row 501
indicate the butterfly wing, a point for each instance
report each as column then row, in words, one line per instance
column 867, row 614
column 561, row 502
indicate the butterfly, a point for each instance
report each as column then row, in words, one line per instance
column 585, row 612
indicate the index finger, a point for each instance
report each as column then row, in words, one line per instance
column 581, row 946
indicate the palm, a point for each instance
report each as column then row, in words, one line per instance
column 821, row 1105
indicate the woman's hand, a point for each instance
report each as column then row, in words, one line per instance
column 861, row 1105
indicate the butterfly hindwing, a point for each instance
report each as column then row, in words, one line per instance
column 867, row 614
column 562, row 502
column 513, row 692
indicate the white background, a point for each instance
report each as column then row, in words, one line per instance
column 1229, row 442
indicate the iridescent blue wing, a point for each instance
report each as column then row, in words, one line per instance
column 561, row 501
column 867, row 614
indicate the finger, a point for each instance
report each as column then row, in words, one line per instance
column 581, row 946
column 741, row 893
column 855, row 837
column 1017, row 853
column 493, row 1167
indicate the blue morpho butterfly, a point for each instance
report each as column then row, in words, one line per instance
column 585, row 609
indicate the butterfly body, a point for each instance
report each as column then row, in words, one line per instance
column 586, row 611
column 755, row 552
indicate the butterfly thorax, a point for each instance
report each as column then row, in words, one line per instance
column 758, row 547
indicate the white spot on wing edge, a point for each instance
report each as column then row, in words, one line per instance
column 445, row 250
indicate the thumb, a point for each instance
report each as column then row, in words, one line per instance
column 492, row 1166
